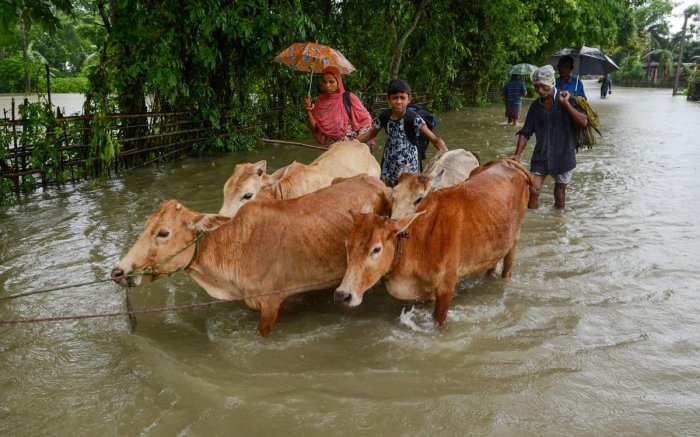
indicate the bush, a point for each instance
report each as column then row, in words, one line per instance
column 65, row 85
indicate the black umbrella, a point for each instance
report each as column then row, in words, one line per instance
column 587, row 60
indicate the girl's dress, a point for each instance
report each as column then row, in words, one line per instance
column 400, row 155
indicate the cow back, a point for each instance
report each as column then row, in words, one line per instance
column 471, row 225
column 295, row 242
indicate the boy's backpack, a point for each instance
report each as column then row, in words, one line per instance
column 419, row 140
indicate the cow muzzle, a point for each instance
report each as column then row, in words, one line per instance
column 124, row 279
column 346, row 298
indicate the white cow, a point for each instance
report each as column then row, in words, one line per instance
column 250, row 181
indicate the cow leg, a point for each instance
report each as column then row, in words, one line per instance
column 508, row 260
column 268, row 314
column 445, row 291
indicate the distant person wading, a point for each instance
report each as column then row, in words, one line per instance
column 513, row 92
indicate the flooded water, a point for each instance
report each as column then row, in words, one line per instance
column 70, row 103
column 596, row 333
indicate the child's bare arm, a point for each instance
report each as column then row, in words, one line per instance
column 368, row 135
column 437, row 141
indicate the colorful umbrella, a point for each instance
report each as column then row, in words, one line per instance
column 521, row 69
column 313, row 57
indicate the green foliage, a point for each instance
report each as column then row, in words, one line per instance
column 631, row 71
column 7, row 196
column 103, row 147
column 12, row 73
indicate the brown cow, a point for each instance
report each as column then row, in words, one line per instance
column 456, row 232
column 278, row 247
column 446, row 170
column 249, row 181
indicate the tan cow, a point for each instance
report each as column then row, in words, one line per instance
column 455, row 232
column 273, row 247
column 249, row 181
column 446, row 170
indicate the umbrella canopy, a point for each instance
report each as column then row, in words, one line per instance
column 521, row 69
column 313, row 57
column 308, row 56
column 587, row 60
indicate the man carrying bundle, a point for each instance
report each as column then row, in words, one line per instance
column 552, row 118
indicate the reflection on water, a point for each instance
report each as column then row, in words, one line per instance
column 596, row 333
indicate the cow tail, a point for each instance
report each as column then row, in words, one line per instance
column 526, row 172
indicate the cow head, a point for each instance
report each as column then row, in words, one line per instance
column 166, row 244
column 371, row 246
column 410, row 189
column 243, row 186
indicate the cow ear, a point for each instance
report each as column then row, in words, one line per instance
column 209, row 222
column 437, row 181
column 260, row 168
column 403, row 223
column 281, row 173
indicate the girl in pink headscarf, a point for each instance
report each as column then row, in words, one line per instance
column 327, row 117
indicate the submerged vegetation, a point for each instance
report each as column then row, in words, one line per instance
column 213, row 58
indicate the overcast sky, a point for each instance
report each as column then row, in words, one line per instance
column 676, row 20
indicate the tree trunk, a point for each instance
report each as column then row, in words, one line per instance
column 400, row 39
column 679, row 66
column 25, row 54
column 103, row 15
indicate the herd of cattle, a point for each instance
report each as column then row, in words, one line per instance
column 335, row 224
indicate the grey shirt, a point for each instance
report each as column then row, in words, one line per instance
column 555, row 133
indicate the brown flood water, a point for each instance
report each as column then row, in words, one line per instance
column 596, row 333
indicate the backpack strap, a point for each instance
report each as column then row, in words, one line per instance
column 409, row 125
column 346, row 103
column 384, row 118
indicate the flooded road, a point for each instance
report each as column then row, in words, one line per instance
column 69, row 103
column 595, row 333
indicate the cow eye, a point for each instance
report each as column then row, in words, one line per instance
column 418, row 200
column 376, row 250
column 247, row 196
column 163, row 233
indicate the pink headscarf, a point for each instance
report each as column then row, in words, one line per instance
column 330, row 114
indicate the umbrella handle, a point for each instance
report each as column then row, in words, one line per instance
column 311, row 78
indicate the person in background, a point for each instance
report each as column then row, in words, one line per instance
column 400, row 155
column 329, row 118
column 513, row 92
column 552, row 118
column 567, row 83
column 605, row 86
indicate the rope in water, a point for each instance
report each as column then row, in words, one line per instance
column 167, row 308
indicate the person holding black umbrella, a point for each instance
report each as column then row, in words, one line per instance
column 567, row 83
column 552, row 118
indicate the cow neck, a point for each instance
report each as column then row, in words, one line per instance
column 397, row 253
column 198, row 236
